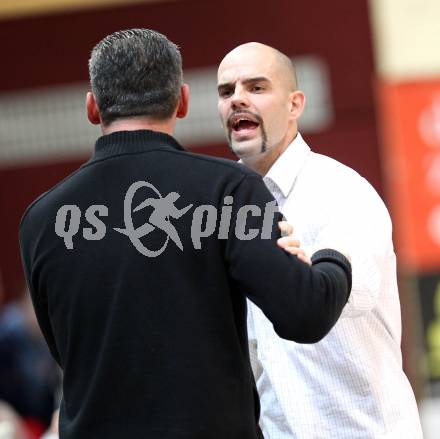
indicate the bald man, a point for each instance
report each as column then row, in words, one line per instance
column 351, row 384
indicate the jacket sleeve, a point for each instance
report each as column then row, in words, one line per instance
column 27, row 249
column 302, row 302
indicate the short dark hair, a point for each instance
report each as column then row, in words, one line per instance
column 135, row 72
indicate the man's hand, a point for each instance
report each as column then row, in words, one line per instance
column 291, row 245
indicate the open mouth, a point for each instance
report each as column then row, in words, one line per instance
column 240, row 122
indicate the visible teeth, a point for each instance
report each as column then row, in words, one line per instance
column 237, row 123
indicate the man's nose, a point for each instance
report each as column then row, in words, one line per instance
column 239, row 99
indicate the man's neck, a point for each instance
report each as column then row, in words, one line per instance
column 264, row 162
column 137, row 123
column 261, row 165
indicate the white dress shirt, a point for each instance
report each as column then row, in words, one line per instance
column 351, row 384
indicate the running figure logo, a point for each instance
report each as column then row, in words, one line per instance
column 164, row 209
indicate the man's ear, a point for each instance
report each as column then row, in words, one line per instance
column 297, row 103
column 92, row 109
column 183, row 107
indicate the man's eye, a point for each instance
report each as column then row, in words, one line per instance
column 225, row 93
column 257, row 88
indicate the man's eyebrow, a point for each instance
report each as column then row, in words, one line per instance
column 245, row 82
column 224, row 85
column 256, row 79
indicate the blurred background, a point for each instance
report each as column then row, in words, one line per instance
column 371, row 74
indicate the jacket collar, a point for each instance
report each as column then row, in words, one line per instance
column 129, row 142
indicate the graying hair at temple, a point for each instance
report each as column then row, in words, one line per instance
column 136, row 72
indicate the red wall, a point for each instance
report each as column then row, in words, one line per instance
column 54, row 50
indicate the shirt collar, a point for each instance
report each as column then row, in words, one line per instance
column 284, row 171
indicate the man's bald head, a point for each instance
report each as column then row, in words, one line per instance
column 267, row 54
column 259, row 103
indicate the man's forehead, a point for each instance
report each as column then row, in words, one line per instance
column 249, row 59
column 243, row 75
column 243, row 70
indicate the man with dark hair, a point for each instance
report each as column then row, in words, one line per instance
column 148, row 320
column 351, row 384
column 155, row 89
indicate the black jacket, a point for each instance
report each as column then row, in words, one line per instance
column 156, row 347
